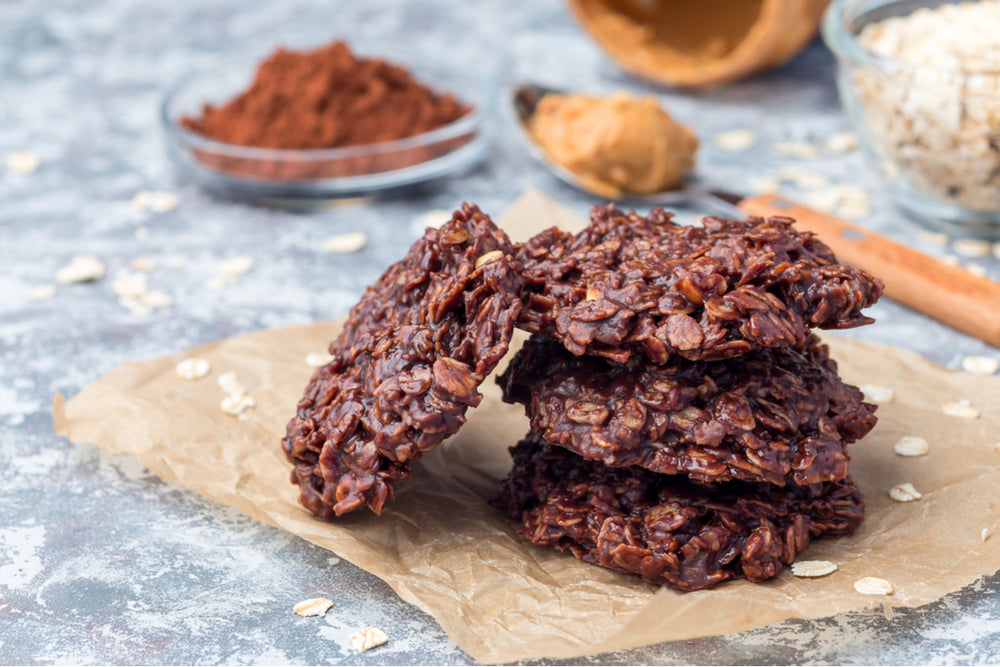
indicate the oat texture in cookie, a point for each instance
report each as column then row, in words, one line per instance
column 406, row 366
column 629, row 284
column 665, row 528
column 774, row 415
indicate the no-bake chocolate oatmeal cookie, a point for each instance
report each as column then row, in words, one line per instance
column 406, row 366
column 629, row 284
column 774, row 415
column 665, row 528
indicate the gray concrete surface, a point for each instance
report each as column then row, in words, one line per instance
column 100, row 562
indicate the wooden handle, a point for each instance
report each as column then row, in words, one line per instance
column 948, row 293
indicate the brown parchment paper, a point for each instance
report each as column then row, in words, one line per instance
column 441, row 547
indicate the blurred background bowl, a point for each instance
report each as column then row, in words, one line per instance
column 289, row 174
column 933, row 131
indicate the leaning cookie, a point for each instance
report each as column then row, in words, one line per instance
column 631, row 284
column 664, row 528
column 773, row 415
column 406, row 366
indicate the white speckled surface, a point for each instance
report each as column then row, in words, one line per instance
column 100, row 562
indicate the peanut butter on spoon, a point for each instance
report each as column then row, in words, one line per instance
column 614, row 144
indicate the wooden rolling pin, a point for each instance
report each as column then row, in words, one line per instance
column 948, row 293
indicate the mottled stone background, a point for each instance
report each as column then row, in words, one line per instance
column 100, row 562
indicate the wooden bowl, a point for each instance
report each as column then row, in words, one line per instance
column 700, row 42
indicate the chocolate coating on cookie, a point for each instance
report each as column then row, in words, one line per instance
column 773, row 415
column 406, row 366
column 630, row 284
column 664, row 528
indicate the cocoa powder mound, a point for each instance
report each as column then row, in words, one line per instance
column 326, row 98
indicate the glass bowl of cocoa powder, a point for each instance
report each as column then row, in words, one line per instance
column 326, row 123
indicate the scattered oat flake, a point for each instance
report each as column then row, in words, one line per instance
column 877, row 393
column 345, row 243
column 977, row 270
column 42, row 292
column 132, row 285
column 237, row 265
column 807, row 180
column 136, row 307
column 235, row 404
column 936, row 239
column 842, row 142
column 981, row 365
column 960, row 409
column 797, row 149
column 813, row 568
column 765, row 184
column 81, row 269
column 985, row 535
column 911, row 445
column 317, row 359
column 155, row 201
column 904, row 493
column 313, row 607
column 735, row 140
column 368, row 638
column 23, row 162
column 873, row 586
column 950, row 259
column 157, row 299
column 229, row 384
column 971, row 247
column 142, row 264
column 193, row 368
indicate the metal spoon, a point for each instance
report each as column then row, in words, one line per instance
column 525, row 100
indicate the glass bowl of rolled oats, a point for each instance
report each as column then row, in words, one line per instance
column 920, row 79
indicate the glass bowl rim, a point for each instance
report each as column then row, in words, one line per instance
column 470, row 122
column 845, row 44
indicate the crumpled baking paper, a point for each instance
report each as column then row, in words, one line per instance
column 440, row 545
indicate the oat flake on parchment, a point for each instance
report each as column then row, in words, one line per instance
column 904, row 493
column 877, row 393
column 813, row 568
column 911, row 445
column 193, row 368
column 368, row 638
column 873, row 586
column 985, row 535
column 960, row 409
column 313, row 607
column 317, row 359
column 981, row 365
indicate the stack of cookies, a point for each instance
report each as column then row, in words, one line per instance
column 686, row 426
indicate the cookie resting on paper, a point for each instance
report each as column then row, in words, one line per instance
column 406, row 366
column 665, row 528
column 776, row 415
column 631, row 284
